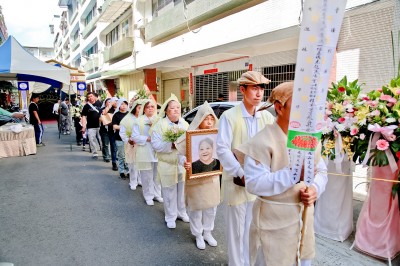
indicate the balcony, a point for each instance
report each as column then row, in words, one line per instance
column 90, row 27
column 113, row 9
column 76, row 44
column 172, row 21
column 73, row 17
column 92, row 64
column 119, row 50
column 66, row 54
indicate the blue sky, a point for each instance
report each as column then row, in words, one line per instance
column 28, row 21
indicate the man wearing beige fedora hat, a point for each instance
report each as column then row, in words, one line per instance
column 237, row 126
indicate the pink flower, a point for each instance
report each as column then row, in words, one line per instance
column 373, row 104
column 362, row 136
column 380, row 89
column 375, row 113
column 329, row 105
column 341, row 89
column 398, row 91
column 382, row 145
column 341, row 119
column 366, row 98
column 345, row 102
column 353, row 131
column 388, row 98
column 391, row 137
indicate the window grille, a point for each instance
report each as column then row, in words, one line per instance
column 277, row 75
column 207, row 87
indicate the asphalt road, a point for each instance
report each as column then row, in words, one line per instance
column 61, row 207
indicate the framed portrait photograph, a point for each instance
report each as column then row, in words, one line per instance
column 201, row 150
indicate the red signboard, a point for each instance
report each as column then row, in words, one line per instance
column 191, row 83
column 210, row 71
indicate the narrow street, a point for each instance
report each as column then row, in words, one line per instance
column 61, row 207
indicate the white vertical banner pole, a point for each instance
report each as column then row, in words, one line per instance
column 319, row 34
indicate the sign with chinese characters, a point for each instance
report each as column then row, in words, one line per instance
column 319, row 34
column 23, row 88
column 81, row 87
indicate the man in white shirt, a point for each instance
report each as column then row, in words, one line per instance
column 56, row 113
column 275, row 229
column 237, row 126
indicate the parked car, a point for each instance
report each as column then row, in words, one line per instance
column 219, row 108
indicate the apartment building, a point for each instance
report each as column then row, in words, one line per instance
column 198, row 48
column 3, row 28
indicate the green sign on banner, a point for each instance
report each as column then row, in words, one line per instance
column 303, row 141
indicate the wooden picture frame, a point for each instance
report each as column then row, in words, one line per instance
column 200, row 168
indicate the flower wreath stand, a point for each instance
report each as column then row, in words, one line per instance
column 334, row 208
column 378, row 225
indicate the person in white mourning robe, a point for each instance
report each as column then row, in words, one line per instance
column 125, row 133
column 276, row 225
column 146, row 160
column 170, row 173
column 202, row 195
column 236, row 126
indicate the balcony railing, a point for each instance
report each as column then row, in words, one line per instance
column 119, row 50
column 76, row 44
column 67, row 54
column 92, row 64
column 74, row 15
column 90, row 27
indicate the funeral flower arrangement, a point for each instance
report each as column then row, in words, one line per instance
column 173, row 133
column 340, row 120
column 378, row 115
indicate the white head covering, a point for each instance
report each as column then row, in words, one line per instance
column 104, row 102
column 203, row 111
column 134, row 104
column 165, row 104
column 120, row 101
column 114, row 99
column 144, row 101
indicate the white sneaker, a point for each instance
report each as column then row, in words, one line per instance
column 150, row 202
column 171, row 225
column 210, row 240
column 200, row 243
column 95, row 155
column 159, row 199
column 133, row 188
column 184, row 218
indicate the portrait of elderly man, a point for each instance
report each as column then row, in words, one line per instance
column 275, row 229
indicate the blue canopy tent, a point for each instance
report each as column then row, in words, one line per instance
column 18, row 64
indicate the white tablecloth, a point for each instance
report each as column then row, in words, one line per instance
column 17, row 144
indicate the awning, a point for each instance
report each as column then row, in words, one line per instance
column 92, row 77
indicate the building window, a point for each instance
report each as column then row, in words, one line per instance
column 112, row 37
column 125, row 28
column 92, row 50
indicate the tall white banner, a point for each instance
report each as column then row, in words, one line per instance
column 319, row 34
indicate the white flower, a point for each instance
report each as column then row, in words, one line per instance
column 390, row 120
column 340, row 127
column 362, row 122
